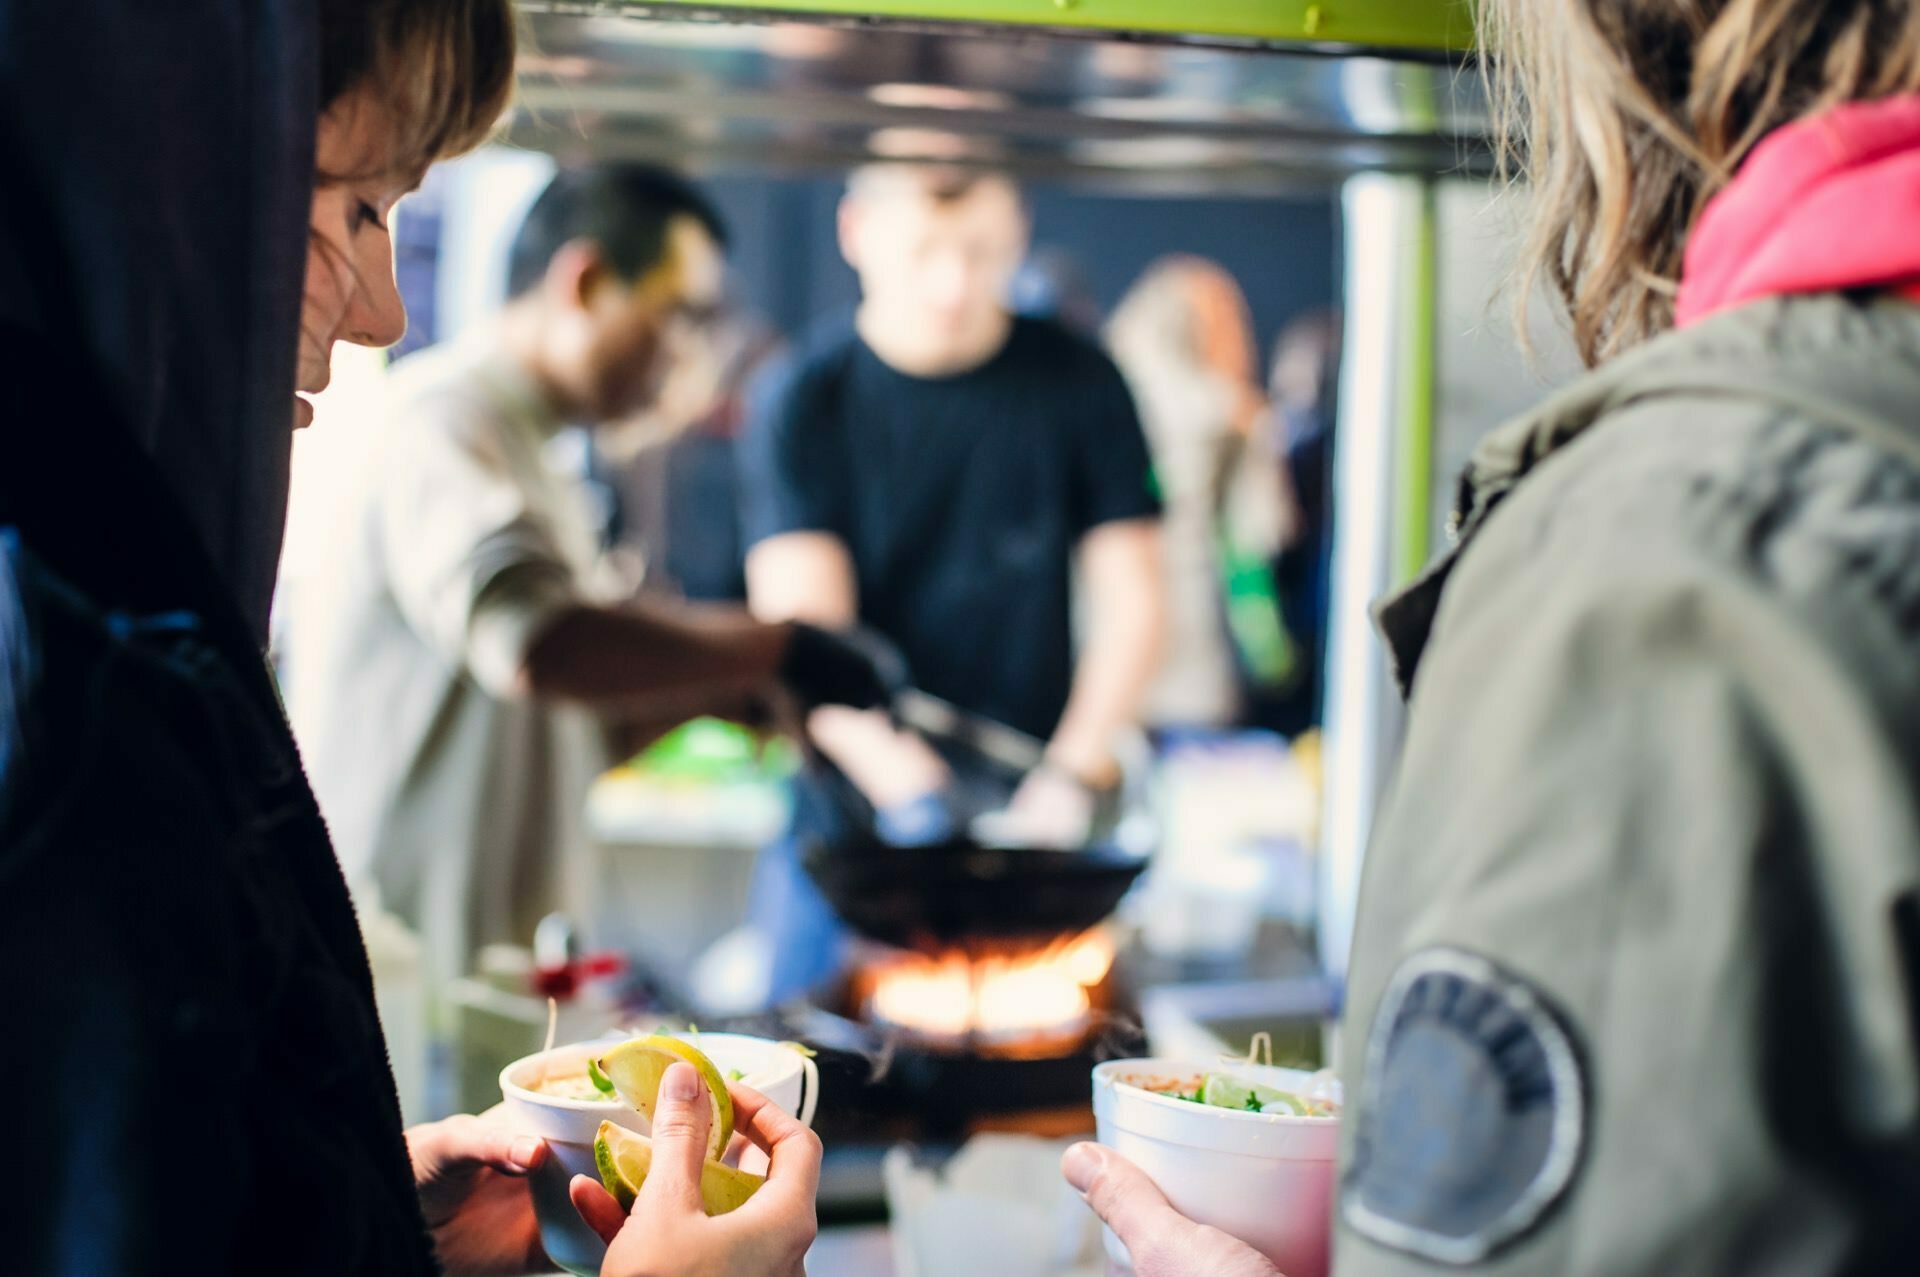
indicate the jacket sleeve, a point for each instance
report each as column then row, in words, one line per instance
column 198, row 1077
column 128, row 1153
column 1631, row 987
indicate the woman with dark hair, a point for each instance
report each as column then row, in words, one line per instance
column 1633, row 989
column 192, row 1038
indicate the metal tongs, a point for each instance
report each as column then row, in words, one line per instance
column 931, row 716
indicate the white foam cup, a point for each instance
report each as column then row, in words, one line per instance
column 782, row 1074
column 1265, row 1178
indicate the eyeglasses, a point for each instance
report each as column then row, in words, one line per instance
column 700, row 316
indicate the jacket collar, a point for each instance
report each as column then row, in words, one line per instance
column 1847, row 362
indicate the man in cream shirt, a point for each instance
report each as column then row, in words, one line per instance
column 457, row 666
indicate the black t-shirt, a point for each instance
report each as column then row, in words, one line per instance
column 960, row 498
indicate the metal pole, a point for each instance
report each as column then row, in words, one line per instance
column 1381, row 512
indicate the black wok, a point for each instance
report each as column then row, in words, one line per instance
column 935, row 896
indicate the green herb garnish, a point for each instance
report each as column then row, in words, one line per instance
column 599, row 1079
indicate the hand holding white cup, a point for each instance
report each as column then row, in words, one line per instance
column 1161, row 1241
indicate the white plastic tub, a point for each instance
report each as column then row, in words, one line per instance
column 1264, row 1178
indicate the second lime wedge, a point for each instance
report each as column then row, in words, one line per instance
column 636, row 1067
column 624, row 1159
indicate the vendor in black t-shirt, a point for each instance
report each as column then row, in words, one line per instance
column 936, row 470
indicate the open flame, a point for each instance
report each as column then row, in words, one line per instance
column 993, row 997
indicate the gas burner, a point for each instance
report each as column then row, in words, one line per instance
column 995, row 998
column 992, row 1034
column 930, row 1048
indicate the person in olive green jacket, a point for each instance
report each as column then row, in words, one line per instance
column 1636, row 983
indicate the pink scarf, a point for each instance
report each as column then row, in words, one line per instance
column 1827, row 203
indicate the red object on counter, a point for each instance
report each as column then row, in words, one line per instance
column 563, row 981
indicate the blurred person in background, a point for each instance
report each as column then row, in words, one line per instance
column 1303, row 380
column 1183, row 337
column 937, row 470
column 1633, row 981
column 678, row 493
column 464, row 670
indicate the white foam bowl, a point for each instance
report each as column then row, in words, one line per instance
column 780, row 1073
column 1265, row 1178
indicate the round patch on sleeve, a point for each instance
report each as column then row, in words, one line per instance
column 1472, row 1115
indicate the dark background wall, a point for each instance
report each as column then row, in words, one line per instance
column 1282, row 252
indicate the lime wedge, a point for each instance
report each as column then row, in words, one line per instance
column 1227, row 1092
column 635, row 1069
column 1224, row 1092
column 624, row 1158
column 1283, row 1102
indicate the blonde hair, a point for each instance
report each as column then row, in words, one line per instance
column 442, row 69
column 1159, row 316
column 1188, row 311
column 1627, row 116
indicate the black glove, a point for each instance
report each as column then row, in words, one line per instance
column 842, row 667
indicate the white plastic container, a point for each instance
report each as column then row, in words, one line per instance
column 1206, row 906
column 778, row 1072
column 1264, row 1178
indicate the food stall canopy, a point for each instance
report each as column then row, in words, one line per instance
column 1106, row 94
column 1342, row 26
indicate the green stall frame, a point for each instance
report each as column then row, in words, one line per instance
column 1418, row 27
